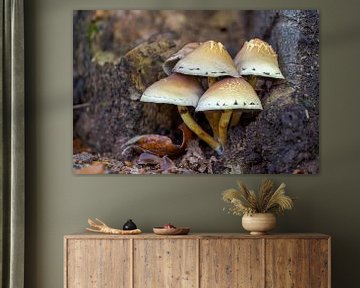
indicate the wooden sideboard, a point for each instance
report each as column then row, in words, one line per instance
column 197, row 260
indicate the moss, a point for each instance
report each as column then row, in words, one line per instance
column 91, row 31
column 102, row 57
column 145, row 62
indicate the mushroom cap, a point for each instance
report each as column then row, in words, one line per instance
column 175, row 89
column 257, row 57
column 210, row 59
column 230, row 93
column 169, row 63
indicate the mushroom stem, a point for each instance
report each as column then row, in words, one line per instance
column 223, row 125
column 190, row 122
column 237, row 115
column 211, row 81
column 252, row 81
column 213, row 118
column 235, row 118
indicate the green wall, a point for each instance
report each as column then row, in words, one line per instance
column 59, row 203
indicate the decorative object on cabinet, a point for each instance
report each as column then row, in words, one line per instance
column 258, row 210
column 258, row 223
column 129, row 225
column 169, row 229
column 100, row 227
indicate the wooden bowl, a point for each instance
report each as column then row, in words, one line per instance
column 171, row 231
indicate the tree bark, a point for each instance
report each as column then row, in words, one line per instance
column 284, row 137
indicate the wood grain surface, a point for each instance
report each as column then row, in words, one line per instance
column 89, row 235
column 98, row 263
column 228, row 263
column 319, row 263
column 287, row 263
column 197, row 260
column 165, row 263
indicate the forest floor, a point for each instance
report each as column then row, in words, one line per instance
column 194, row 161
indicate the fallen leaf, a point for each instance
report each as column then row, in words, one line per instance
column 187, row 135
column 158, row 144
column 95, row 168
column 165, row 163
column 299, row 171
column 79, row 146
column 148, row 158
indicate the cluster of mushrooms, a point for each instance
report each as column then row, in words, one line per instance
column 228, row 94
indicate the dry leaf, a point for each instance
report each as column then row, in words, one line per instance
column 158, row 144
column 165, row 163
column 148, row 158
column 95, row 168
column 299, row 171
column 79, row 146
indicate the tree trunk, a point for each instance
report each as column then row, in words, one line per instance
column 284, row 137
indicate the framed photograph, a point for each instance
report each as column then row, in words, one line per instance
column 196, row 92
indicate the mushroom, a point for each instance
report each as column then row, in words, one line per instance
column 183, row 91
column 211, row 60
column 169, row 63
column 256, row 58
column 227, row 95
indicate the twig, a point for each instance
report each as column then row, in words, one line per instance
column 79, row 106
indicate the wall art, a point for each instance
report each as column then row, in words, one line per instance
column 196, row 92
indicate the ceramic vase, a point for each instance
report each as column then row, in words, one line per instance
column 259, row 223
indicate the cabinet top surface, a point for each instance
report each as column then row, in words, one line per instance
column 199, row 236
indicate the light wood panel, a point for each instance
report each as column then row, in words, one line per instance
column 287, row 263
column 98, row 264
column 165, row 263
column 231, row 263
column 319, row 263
column 197, row 260
column 88, row 235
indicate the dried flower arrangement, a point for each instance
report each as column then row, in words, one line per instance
column 246, row 202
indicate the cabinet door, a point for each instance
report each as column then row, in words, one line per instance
column 231, row 263
column 166, row 263
column 320, row 263
column 98, row 263
column 287, row 263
